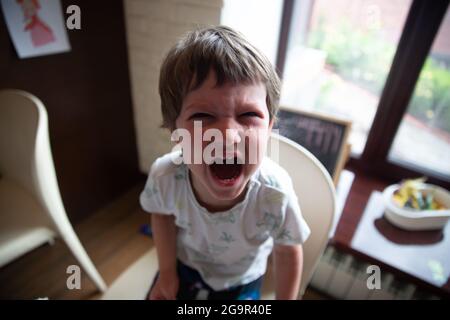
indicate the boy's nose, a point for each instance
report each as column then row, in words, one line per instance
column 232, row 137
column 230, row 131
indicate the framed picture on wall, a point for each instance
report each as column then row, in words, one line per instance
column 36, row 27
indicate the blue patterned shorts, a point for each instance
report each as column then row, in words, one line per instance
column 192, row 287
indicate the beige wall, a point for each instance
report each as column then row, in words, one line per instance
column 153, row 26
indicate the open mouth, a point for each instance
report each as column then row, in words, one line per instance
column 226, row 173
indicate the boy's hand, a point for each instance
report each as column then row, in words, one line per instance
column 166, row 288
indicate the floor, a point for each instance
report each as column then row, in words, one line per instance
column 111, row 237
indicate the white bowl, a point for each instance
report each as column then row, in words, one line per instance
column 412, row 219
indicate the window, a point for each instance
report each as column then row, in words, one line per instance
column 258, row 20
column 423, row 139
column 391, row 57
column 338, row 58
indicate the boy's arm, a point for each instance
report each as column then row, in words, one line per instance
column 165, row 237
column 288, row 271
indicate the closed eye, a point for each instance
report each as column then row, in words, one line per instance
column 200, row 115
column 250, row 114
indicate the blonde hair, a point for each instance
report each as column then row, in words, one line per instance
column 227, row 53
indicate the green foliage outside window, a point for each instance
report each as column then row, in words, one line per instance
column 363, row 57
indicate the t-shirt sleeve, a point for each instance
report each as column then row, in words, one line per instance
column 293, row 228
column 151, row 198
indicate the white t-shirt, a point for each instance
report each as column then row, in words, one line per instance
column 227, row 248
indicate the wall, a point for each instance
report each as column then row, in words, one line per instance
column 153, row 26
column 88, row 99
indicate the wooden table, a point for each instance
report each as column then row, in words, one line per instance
column 421, row 257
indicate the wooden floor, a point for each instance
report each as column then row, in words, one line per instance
column 112, row 239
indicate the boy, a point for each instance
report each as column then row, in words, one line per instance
column 215, row 221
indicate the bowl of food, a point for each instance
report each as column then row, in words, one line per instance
column 416, row 205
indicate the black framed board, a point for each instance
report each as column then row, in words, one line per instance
column 324, row 136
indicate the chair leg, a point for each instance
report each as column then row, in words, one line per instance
column 68, row 234
column 80, row 254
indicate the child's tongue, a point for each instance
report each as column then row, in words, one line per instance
column 226, row 171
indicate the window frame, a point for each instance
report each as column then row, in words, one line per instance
column 421, row 26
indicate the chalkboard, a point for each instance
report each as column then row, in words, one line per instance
column 324, row 136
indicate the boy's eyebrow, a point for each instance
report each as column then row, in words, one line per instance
column 250, row 104
column 196, row 105
column 240, row 106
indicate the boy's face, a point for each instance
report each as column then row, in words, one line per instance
column 235, row 111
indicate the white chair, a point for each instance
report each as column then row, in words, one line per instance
column 31, row 210
column 316, row 195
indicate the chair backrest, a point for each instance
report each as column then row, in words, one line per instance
column 316, row 195
column 19, row 122
column 26, row 156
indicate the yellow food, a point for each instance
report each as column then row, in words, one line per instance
column 413, row 194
